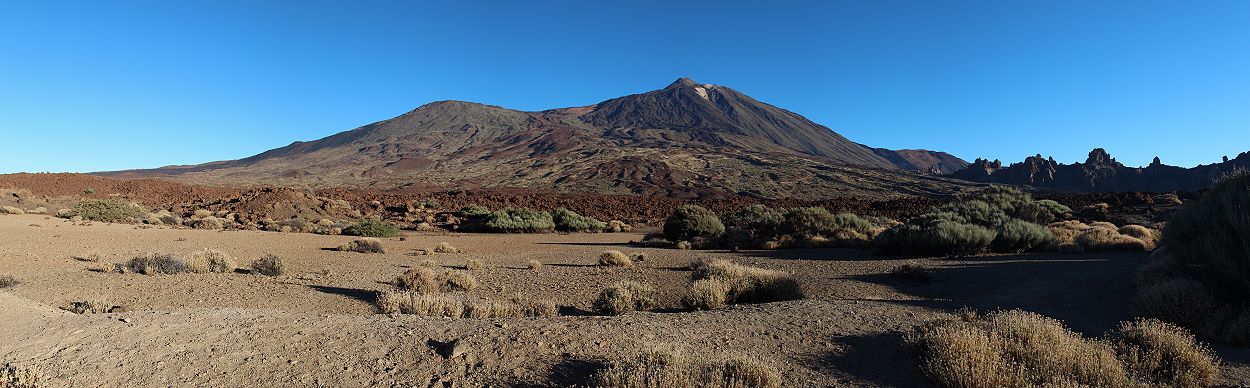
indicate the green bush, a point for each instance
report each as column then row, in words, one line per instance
column 757, row 220
column 813, row 221
column 106, row 210
column 976, row 211
column 1018, row 236
column 939, row 234
column 475, row 210
column 690, row 221
column 1213, row 237
column 519, row 220
column 569, row 221
column 372, row 228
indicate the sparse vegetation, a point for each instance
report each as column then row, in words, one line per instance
column 157, row 264
column 14, row 376
column 911, row 271
column 268, row 265
column 427, row 281
column 759, row 226
column 444, row 247
column 690, row 221
column 625, row 296
column 461, row 306
column 106, row 210
column 94, row 306
column 519, row 220
column 11, row 210
column 475, row 210
column 1018, row 348
column 534, row 265
column 719, row 282
column 569, row 221
column 211, row 261
column 7, row 281
column 615, row 259
column 997, row 219
column 473, row 264
column 370, row 227
column 363, row 245
column 655, row 367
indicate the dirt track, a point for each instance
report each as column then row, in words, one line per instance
column 316, row 327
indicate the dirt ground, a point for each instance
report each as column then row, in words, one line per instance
column 316, row 325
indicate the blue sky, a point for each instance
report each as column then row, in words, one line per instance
column 91, row 85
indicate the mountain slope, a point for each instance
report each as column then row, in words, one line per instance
column 687, row 139
column 1100, row 172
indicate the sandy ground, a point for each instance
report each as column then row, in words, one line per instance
column 316, row 326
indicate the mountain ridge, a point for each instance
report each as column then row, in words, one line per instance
column 1100, row 172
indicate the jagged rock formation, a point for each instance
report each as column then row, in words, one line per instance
column 1100, row 172
column 688, row 139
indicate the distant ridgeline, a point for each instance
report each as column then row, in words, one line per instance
column 1100, row 172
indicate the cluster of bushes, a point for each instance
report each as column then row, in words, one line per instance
column 201, row 261
column 656, row 367
column 104, row 210
column 716, row 283
column 1077, row 237
column 370, row 227
column 1199, row 278
column 762, row 227
column 1021, row 349
column 423, row 291
column 625, row 296
column 997, row 219
column 363, row 245
column 524, row 220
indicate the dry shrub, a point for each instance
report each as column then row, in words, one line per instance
column 209, row 223
column 739, row 284
column 13, row 376
column 1166, row 355
column 1147, row 235
column 211, row 261
column 157, row 263
column 911, row 271
column 1066, row 231
column 625, row 296
column 431, row 264
column 11, row 210
column 1018, row 348
column 617, row 226
column 1098, row 238
column 459, row 306
column 615, row 259
column 7, row 281
column 424, row 280
column 89, row 307
column 534, row 265
column 472, row 264
column 363, row 245
column 268, row 265
column 656, row 367
column 444, row 247
column 1167, row 291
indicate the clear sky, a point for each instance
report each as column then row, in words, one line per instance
column 104, row 85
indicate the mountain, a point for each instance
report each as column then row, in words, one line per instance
column 1100, row 172
column 687, row 139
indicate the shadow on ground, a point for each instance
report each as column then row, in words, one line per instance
column 367, row 296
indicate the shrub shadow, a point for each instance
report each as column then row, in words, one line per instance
column 879, row 359
column 362, row 295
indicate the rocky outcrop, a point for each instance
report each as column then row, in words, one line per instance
column 1100, row 172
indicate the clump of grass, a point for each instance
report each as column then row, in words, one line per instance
column 14, row 376
column 89, row 307
column 211, row 261
column 370, row 227
column 569, row 221
column 11, row 210
column 1018, row 348
column 7, row 281
column 718, row 282
column 268, row 265
column 105, row 210
column 625, row 296
column 613, row 258
column 363, row 245
column 617, row 226
column 426, row 281
column 157, row 264
column 656, row 367
column 429, row 264
column 445, row 247
column 534, row 265
column 460, row 306
column 473, row 264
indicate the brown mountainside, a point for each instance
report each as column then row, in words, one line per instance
column 688, row 139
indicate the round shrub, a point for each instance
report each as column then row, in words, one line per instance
column 938, row 234
column 475, row 210
column 105, row 210
column 690, row 221
column 758, row 220
column 1018, row 236
column 615, row 259
column 625, row 296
